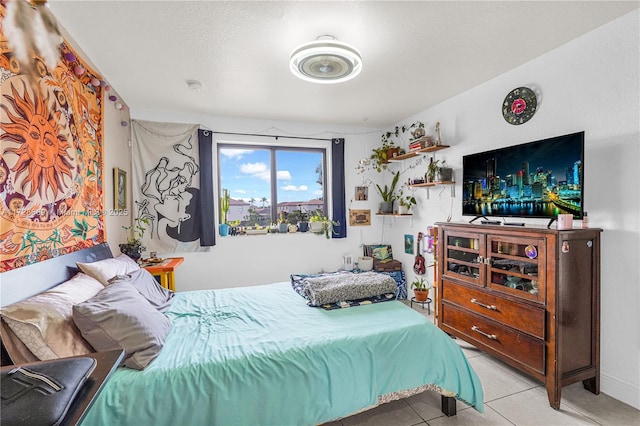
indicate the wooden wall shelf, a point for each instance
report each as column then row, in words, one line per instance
column 417, row 152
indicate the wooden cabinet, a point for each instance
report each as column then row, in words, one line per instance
column 528, row 296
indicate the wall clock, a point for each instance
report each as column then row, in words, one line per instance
column 519, row 106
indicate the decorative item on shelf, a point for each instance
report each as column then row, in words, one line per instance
column 234, row 227
column 224, row 208
column 445, row 173
column 388, row 195
column 381, row 156
column 438, row 135
column 365, row 263
column 432, row 169
column 405, row 202
column 133, row 247
column 420, row 288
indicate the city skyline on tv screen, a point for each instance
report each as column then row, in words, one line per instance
column 536, row 179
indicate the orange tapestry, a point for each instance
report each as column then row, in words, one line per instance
column 51, row 161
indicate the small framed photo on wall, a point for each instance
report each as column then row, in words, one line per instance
column 362, row 193
column 360, row 217
column 119, row 189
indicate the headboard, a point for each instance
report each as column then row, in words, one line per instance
column 21, row 283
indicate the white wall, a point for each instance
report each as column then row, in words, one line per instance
column 590, row 84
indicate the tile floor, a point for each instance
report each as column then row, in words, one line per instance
column 510, row 398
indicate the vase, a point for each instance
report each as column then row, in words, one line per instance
column 224, row 229
column 283, row 228
column 316, row 227
column 421, row 295
column 386, row 207
column 303, row 226
column 293, row 228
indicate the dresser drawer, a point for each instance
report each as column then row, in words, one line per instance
column 523, row 317
column 505, row 341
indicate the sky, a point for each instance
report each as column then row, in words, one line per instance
column 246, row 173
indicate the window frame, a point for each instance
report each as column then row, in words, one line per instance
column 319, row 147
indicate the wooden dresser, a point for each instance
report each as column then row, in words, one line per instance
column 530, row 296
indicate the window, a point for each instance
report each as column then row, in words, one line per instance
column 266, row 183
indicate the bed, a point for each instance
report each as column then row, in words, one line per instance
column 260, row 355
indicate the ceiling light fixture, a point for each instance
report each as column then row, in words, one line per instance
column 326, row 60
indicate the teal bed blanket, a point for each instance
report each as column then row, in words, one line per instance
column 261, row 356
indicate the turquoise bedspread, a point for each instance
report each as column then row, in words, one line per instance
column 261, row 356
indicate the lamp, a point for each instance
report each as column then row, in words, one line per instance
column 326, row 60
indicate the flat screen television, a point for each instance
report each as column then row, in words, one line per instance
column 539, row 179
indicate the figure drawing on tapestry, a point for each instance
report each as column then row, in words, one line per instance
column 170, row 196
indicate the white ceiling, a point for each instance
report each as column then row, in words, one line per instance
column 415, row 54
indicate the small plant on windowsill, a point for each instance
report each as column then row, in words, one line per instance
column 133, row 247
column 320, row 224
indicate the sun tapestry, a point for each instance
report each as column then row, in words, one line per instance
column 51, row 161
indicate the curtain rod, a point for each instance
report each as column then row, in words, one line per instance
column 271, row 136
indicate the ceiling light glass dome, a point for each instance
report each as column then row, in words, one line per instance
column 326, row 60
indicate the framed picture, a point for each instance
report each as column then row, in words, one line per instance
column 119, row 189
column 408, row 243
column 360, row 217
column 362, row 193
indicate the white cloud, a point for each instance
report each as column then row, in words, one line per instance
column 240, row 191
column 295, row 188
column 283, row 175
column 258, row 170
column 235, row 153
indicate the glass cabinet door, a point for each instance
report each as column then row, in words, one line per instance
column 514, row 265
column 464, row 257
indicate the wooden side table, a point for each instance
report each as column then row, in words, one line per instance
column 106, row 364
column 166, row 271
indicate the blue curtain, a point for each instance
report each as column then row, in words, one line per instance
column 339, row 212
column 205, row 151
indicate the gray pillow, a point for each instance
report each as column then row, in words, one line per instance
column 159, row 297
column 119, row 317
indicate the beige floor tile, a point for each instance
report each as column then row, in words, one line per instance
column 470, row 417
column 601, row 408
column 496, row 382
column 531, row 408
column 396, row 413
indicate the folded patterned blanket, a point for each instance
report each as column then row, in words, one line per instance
column 340, row 287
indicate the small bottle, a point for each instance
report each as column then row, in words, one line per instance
column 585, row 220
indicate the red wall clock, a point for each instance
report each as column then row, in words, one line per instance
column 519, row 106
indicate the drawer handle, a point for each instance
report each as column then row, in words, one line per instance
column 490, row 307
column 489, row 336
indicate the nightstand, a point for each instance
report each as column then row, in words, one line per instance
column 165, row 271
column 106, row 364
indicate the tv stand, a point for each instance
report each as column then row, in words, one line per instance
column 478, row 217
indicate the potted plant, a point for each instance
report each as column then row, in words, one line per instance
column 420, row 289
column 432, row 169
column 133, row 247
column 316, row 222
column 388, row 195
column 320, row 224
column 224, row 208
column 282, row 223
column 405, row 203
